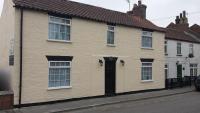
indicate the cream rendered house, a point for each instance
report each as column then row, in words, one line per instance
column 65, row 50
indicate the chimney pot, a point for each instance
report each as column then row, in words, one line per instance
column 182, row 20
column 181, row 16
column 184, row 14
column 139, row 2
column 177, row 20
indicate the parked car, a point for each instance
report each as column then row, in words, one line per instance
column 197, row 83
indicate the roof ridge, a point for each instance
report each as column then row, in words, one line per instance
column 86, row 11
column 95, row 6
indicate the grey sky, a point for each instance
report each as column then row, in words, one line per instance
column 161, row 12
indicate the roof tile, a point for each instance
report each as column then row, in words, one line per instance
column 81, row 10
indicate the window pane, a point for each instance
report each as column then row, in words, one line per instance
column 165, row 47
column 179, row 48
column 110, row 37
column 59, row 29
column 146, row 41
column 68, row 33
column 147, row 33
column 191, row 72
column 195, row 72
column 59, row 75
column 146, row 72
column 146, row 64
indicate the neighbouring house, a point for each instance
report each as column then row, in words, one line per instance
column 182, row 49
column 195, row 28
column 59, row 50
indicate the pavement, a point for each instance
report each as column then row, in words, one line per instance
column 99, row 102
column 180, row 103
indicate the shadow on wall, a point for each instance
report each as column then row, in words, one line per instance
column 5, row 81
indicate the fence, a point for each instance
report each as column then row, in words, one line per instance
column 180, row 82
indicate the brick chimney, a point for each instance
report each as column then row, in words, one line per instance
column 139, row 10
column 182, row 20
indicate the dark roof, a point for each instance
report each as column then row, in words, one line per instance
column 80, row 10
column 195, row 28
column 181, row 33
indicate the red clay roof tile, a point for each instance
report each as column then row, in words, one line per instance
column 182, row 33
column 85, row 11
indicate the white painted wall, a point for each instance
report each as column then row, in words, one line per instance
column 172, row 58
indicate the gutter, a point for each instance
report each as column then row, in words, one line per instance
column 21, row 53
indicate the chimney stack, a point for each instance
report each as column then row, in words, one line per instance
column 139, row 10
column 182, row 21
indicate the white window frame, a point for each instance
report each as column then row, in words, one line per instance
column 149, row 35
column 166, row 48
column 150, row 80
column 193, row 69
column 178, row 48
column 113, row 31
column 53, row 22
column 191, row 48
column 60, row 87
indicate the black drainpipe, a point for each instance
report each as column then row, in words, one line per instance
column 21, row 53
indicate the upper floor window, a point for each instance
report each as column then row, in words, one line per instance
column 146, row 39
column 59, row 28
column 191, row 49
column 11, row 53
column 179, row 51
column 111, row 35
column 166, row 47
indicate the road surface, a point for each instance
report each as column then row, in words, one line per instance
column 182, row 103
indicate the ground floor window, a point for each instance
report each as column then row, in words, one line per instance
column 59, row 73
column 146, row 70
column 193, row 69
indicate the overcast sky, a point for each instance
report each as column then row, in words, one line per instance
column 161, row 12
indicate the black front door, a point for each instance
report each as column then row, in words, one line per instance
column 179, row 71
column 110, row 78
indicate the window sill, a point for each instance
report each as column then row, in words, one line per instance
column 179, row 55
column 50, row 40
column 111, row 45
column 147, row 48
column 146, row 81
column 57, row 88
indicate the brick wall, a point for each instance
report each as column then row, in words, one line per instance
column 6, row 100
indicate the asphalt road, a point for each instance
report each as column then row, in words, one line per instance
column 182, row 103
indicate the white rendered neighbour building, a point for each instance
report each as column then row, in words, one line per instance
column 182, row 49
